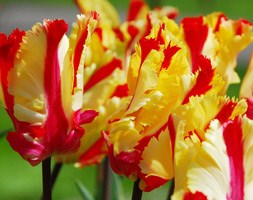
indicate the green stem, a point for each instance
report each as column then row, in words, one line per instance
column 107, row 180
column 137, row 192
column 46, row 179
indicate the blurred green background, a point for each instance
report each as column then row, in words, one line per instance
column 20, row 181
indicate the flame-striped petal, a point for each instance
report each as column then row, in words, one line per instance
column 44, row 84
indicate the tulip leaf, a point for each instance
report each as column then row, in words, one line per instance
column 85, row 193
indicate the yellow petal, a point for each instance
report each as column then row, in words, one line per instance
column 198, row 162
column 25, row 80
column 154, row 162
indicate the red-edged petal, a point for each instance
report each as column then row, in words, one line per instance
column 195, row 34
column 81, row 42
column 233, row 138
column 226, row 111
column 56, row 123
column 204, row 79
column 219, row 21
column 134, row 9
column 169, row 52
column 148, row 44
column 240, row 24
column 103, row 72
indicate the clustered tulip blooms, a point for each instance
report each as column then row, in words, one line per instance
column 148, row 92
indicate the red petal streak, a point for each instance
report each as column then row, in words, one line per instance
column 195, row 196
column 148, row 44
column 80, row 45
column 172, row 133
column 85, row 117
column 240, row 24
column 233, row 138
column 119, row 34
column 226, row 111
column 99, row 32
column 121, row 91
column 134, row 9
column 94, row 154
column 204, row 79
column 133, row 31
column 56, row 124
column 195, row 33
column 103, row 72
column 169, row 52
column 145, row 140
column 79, row 49
column 220, row 18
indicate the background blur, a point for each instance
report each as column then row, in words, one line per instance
column 20, row 181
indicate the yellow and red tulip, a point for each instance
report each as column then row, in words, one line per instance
column 212, row 154
column 218, row 38
column 41, row 84
column 157, row 79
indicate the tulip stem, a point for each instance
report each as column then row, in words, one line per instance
column 104, row 180
column 46, row 179
column 137, row 192
column 171, row 190
column 107, row 180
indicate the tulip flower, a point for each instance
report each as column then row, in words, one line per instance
column 219, row 39
column 212, row 153
column 42, row 86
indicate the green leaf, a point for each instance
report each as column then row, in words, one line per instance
column 85, row 193
column 117, row 191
